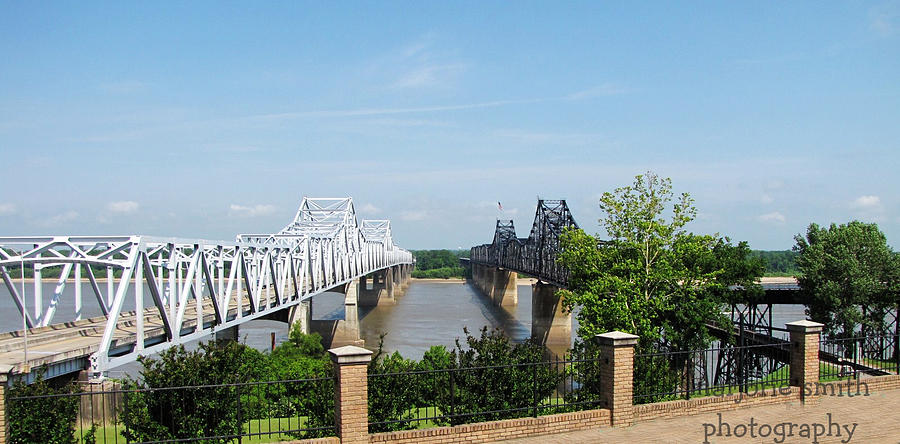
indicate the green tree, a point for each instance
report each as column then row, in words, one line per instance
column 155, row 411
column 843, row 269
column 37, row 414
column 651, row 278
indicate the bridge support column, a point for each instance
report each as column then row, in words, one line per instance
column 405, row 275
column 483, row 278
column 617, row 375
column 351, row 394
column 301, row 314
column 550, row 324
column 343, row 331
column 805, row 357
column 382, row 291
column 396, row 280
column 505, row 289
column 230, row 333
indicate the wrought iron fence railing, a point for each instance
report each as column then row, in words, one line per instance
column 430, row 398
column 253, row 411
column 871, row 355
column 717, row 371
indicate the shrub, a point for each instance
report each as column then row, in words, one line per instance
column 41, row 418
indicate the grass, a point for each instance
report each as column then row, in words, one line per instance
column 264, row 430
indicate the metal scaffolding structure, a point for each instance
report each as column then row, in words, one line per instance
column 195, row 287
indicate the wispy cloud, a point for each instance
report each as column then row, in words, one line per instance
column 122, row 207
column 7, row 209
column 867, row 203
column 885, row 19
column 603, row 90
column 413, row 215
column 772, row 218
column 369, row 209
column 390, row 111
column 250, row 211
column 430, row 75
column 123, row 87
column 59, row 219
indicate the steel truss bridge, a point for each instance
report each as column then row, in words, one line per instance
column 162, row 292
column 536, row 256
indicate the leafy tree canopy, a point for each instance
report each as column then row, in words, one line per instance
column 844, row 268
column 652, row 277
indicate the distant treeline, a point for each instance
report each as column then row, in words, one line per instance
column 439, row 264
column 779, row 262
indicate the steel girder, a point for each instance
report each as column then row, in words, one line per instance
column 196, row 287
column 536, row 254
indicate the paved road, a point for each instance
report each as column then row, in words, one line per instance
column 877, row 419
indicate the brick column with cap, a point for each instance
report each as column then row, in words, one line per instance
column 804, row 355
column 617, row 375
column 351, row 395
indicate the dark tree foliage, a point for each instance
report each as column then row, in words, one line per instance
column 42, row 418
column 157, row 412
column 850, row 276
column 493, row 374
column 438, row 264
column 778, row 262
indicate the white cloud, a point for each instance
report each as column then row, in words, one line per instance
column 885, row 19
column 412, row 215
column 369, row 209
column 429, row 76
column 604, row 90
column 766, row 198
column 122, row 206
column 250, row 211
column 7, row 209
column 59, row 219
column 773, row 218
column 867, row 203
column 123, row 87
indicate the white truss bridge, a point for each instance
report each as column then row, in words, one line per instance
column 176, row 290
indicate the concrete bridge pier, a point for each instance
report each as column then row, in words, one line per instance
column 506, row 290
column 497, row 284
column 550, row 324
column 396, row 280
column 405, row 275
column 381, row 290
column 231, row 333
column 341, row 332
column 302, row 314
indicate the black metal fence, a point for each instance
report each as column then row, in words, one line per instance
column 243, row 412
column 666, row 376
column 429, row 398
column 872, row 355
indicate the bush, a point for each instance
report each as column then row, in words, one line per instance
column 45, row 419
column 158, row 412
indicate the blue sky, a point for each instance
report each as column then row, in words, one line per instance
column 207, row 119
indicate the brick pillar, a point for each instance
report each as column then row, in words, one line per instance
column 617, row 375
column 804, row 355
column 351, row 395
column 4, row 427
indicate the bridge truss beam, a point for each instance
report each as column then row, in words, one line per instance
column 194, row 287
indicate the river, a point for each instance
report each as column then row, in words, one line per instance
column 428, row 313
